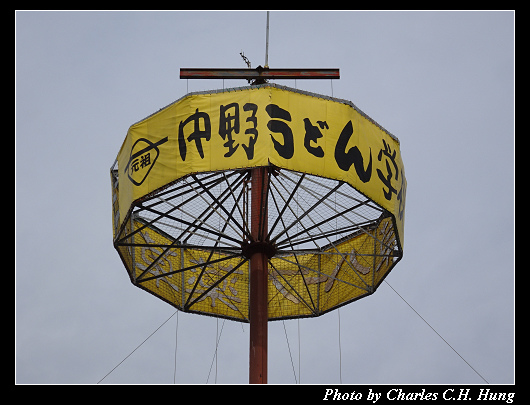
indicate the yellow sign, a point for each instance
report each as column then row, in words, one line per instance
column 258, row 127
column 266, row 125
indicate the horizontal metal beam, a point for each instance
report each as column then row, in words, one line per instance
column 258, row 73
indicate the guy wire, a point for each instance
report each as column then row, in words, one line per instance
column 137, row 347
column 440, row 336
column 176, row 341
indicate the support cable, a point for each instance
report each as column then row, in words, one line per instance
column 137, row 347
column 216, row 341
column 440, row 336
column 176, row 341
column 289, row 348
column 299, row 373
column 340, row 351
column 215, row 353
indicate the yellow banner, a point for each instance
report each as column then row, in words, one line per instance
column 259, row 126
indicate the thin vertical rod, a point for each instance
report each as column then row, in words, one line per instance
column 340, row 352
column 258, row 280
column 267, row 44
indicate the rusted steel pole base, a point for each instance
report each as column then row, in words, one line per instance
column 258, row 278
column 258, row 319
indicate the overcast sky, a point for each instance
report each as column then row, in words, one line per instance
column 442, row 82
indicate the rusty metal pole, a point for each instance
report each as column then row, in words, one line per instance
column 258, row 278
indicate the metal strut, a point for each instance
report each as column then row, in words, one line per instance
column 258, row 73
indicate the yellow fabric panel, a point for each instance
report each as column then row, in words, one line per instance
column 158, row 272
column 311, row 284
column 229, row 298
column 299, row 286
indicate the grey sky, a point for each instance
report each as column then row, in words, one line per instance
column 442, row 82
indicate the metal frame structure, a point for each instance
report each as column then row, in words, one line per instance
column 263, row 217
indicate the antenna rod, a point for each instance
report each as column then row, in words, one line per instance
column 267, row 44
